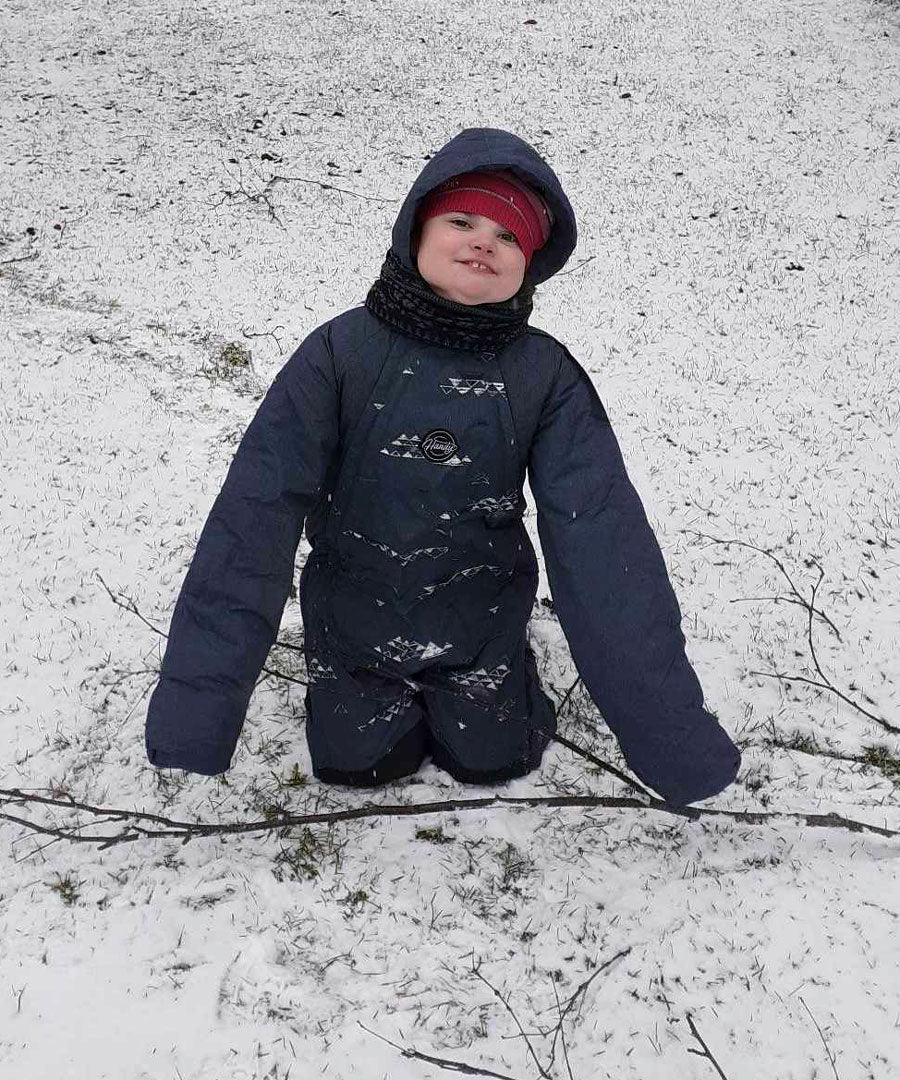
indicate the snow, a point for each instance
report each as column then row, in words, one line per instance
column 734, row 295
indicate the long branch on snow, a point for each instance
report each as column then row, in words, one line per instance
column 143, row 826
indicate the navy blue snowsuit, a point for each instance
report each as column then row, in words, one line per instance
column 406, row 462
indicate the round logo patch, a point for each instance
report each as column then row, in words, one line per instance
column 439, row 445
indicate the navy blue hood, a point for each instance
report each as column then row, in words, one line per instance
column 492, row 148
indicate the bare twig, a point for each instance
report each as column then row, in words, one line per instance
column 705, row 1052
column 129, row 605
column 261, row 196
column 780, row 675
column 123, row 601
column 326, row 187
column 579, row 994
column 812, row 610
column 19, row 258
column 509, row 1009
column 442, row 1063
column 562, row 1035
column 578, row 266
column 250, row 334
column 831, row 1057
column 786, row 600
column 586, row 754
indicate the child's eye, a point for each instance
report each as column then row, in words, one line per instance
column 509, row 237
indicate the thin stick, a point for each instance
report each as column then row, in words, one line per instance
column 442, row 1063
column 562, row 1034
column 706, row 1052
column 129, row 605
column 327, row 187
column 826, row 683
column 588, row 756
column 580, row 992
column 509, row 1009
column 831, row 1057
column 786, row 600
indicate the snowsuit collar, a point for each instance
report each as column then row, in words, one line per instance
column 403, row 300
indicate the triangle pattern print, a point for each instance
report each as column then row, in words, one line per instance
column 390, row 711
column 482, row 678
column 476, row 387
column 400, row 650
column 319, row 672
column 410, row 446
column 493, row 504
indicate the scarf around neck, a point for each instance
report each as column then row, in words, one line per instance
column 403, row 300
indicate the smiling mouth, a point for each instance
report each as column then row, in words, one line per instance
column 479, row 268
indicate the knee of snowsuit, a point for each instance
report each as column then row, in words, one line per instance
column 483, row 720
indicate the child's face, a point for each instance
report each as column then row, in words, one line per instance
column 451, row 243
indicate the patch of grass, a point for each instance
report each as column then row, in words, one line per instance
column 232, row 357
column 881, row 758
column 513, row 867
column 435, row 835
column 301, row 860
column 800, row 740
column 356, row 898
column 757, row 777
column 273, row 813
column 66, row 886
column 760, row 862
column 296, row 779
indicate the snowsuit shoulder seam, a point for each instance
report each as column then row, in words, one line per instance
column 357, row 349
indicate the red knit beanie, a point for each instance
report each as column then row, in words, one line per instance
column 498, row 195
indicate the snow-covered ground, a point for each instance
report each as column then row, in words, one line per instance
column 735, row 169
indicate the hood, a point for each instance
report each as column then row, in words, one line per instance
column 492, row 148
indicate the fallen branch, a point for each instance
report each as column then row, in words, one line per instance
column 562, row 1035
column 143, row 826
column 139, row 825
column 250, row 334
column 577, row 266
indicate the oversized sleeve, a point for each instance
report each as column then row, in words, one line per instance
column 230, row 605
column 615, row 603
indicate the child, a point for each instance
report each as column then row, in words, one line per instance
column 400, row 432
